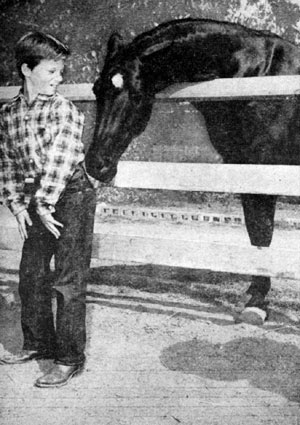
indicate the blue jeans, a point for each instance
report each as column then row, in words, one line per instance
column 72, row 254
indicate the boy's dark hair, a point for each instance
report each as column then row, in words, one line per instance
column 36, row 46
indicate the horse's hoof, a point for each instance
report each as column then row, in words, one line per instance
column 252, row 315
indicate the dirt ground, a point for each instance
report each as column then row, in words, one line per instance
column 163, row 348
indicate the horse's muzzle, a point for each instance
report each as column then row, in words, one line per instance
column 103, row 174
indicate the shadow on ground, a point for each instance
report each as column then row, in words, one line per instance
column 152, row 278
column 10, row 327
column 219, row 293
column 157, row 306
column 223, row 290
column 266, row 364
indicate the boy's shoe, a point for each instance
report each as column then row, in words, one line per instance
column 24, row 356
column 58, row 376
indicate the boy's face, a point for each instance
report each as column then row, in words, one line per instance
column 45, row 77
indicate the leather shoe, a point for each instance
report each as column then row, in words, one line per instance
column 24, row 356
column 58, row 376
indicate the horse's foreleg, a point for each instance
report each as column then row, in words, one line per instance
column 259, row 211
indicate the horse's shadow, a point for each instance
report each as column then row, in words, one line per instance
column 267, row 365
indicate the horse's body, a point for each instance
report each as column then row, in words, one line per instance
column 191, row 50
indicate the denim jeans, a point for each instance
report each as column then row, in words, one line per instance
column 66, row 338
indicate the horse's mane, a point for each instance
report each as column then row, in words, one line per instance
column 168, row 32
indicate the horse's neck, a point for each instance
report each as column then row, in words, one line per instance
column 203, row 50
column 163, row 69
column 188, row 58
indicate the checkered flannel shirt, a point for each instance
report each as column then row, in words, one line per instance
column 41, row 142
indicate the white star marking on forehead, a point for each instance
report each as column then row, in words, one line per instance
column 118, row 80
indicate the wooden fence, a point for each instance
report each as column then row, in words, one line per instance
column 230, row 252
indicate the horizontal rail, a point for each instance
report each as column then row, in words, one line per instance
column 198, row 254
column 219, row 89
column 74, row 92
column 234, row 178
column 222, row 249
column 235, row 88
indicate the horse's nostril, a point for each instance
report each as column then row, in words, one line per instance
column 105, row 162
column 100, row 163
column 104, row 169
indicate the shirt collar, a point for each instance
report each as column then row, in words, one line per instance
column 40, row 96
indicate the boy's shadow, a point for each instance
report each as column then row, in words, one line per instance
column 10, row 323
column 11, row 336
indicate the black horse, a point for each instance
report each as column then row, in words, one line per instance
column 243, row 132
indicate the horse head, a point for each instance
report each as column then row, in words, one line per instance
column 123, row 109
column 180, row 51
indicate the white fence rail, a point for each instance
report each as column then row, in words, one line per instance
column 258, row 179
column 219, row 89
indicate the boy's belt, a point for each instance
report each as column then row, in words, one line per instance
column 79, row 173
column 78, row 181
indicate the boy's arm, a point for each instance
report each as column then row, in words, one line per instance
column 65, row 153
column 11, row 174
column 12, row 182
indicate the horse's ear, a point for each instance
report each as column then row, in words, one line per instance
column 115, row 43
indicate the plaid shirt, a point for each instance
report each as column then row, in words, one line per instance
column 40, row 142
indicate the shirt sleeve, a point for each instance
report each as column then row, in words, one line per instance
column 64, row 153
column 11, row 172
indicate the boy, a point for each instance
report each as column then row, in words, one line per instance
column 45, row 185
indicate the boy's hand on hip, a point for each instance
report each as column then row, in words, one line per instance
column 50, row 223
column 23, row 218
